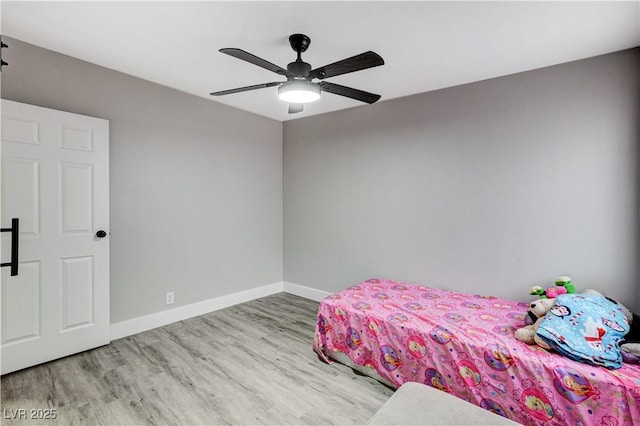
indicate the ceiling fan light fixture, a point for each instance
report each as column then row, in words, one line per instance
column 299, row 92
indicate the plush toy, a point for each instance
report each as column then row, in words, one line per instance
column 538, row 309
column 563, row 285
column 565, row 282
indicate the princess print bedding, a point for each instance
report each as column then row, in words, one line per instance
column 463, row 344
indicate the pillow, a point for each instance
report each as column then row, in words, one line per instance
column 586, row 328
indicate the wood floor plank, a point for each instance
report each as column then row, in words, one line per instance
column 243, row 365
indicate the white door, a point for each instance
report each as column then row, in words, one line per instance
column 55, row 180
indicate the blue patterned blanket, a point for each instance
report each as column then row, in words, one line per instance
column 586, row 328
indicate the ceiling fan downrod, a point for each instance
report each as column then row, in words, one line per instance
column 299, row 43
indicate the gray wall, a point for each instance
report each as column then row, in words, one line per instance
column 196, row 187
column 489, row 187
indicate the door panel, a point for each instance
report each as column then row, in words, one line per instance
column 21, row 304
column 77, row 294
column 55, row 177
column 78, row 139
column 19, row 130
column 22, row 198
column 76, row 186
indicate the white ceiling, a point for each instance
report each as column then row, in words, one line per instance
column 426, row 45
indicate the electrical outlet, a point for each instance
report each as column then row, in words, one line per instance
column 169, row 298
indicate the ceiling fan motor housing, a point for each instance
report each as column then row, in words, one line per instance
column 299, row 68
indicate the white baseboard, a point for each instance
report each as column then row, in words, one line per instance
column 306, row 292
column 148, row 322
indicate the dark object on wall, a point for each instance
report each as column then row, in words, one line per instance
column 2, row 62
column 15, row 233
column 300, row 87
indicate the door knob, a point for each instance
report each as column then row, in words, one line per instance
column 101, row 234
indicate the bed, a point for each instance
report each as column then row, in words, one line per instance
column 463, row 344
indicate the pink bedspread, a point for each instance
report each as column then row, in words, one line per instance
column 463, row 344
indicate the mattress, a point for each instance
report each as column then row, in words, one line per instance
column 463, row 344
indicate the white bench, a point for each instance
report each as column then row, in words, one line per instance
column 418, row 404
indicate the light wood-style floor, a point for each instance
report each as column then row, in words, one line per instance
column 248, row 364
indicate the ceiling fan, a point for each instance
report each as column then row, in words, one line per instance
column 300, row 88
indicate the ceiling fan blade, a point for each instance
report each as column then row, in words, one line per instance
column 349, row 92
column 244, row 89
column 294, row 108
column 355, row 63
column 253, row 59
